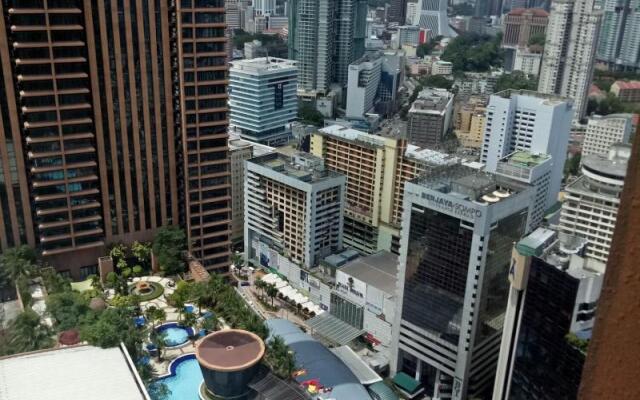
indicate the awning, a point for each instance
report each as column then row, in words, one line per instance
column 406, row 383
column 333, row 329
column 365, row 374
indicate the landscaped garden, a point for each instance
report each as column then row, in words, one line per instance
column 158, row 317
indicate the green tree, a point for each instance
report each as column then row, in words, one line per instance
column 53, row 281
column 272, row 292
column 28, row 333
column 168, row 245
column 280, row 358
column 111, row 327
column 260, row 285
column 154, row 315
column 209, row 324
column 471, row 52
column 516, row 80
column 237, row 260
column 309, row 115
column 142, row 252
column 572, row 165
column 18, row 262
column 437, row 81
column 68, row 309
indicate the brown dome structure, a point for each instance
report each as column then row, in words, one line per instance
column 229, row 359
column 69, row 337
column 97, row 304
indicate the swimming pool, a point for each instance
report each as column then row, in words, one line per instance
column 175, row 334
column 185, row 379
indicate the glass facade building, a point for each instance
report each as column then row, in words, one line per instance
column 454, row 259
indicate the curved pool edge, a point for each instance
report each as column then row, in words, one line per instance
column 173, row 365
column 175, row 324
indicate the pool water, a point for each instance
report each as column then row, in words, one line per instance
column 185, row 384
column 175, row 335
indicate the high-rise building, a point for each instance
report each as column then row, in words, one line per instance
column 469, row 122
column 239, row 152
column 619, row 41
column 433, row 16
column 458, row 227
column 552, row 301
column 376, row 168
column 362, row 87
column 527, row 61
column 95, row 146
column 520, row 120
column 232, row 11
column 430, row 117
column 397, row 11
column 532, row 169
column 569, row 52
column 293, row 208
column 604, row 131
column 590, row 207
column 311, row 42
column 349, row 36
column 521, row 24
column 412, row 13
column 262, row 99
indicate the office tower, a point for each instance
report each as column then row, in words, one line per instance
column 433, row 16
column 619, row 41
column 376, row 168
column 552, row 301
column 293, row 208
column 262, row 99
column 350, row 32
column 532, row 169
column 569, row 52
column 430, row 117
column 311, row 43
column 412, row 13
column 520, row 25
column 103, row 158
column 550, row 272
column 458, row 227
column 528, row 121
column 412, row 35
column 397, row 10
column 391, row 77
column 469, row 123
column 604, row 131
column 485, row 8
column 232, row 11
column 265, row 7
column 363, row 83
column 590, row 207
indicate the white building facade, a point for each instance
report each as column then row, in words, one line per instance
column 363, row 83
column 604, row 131
column 528, row 121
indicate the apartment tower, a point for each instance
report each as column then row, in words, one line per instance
column 113, row 124
column 619, row 40
column 569, row 53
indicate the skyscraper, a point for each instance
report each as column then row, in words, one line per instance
column 619, row 41
column 458, row 228
column 553, row 299
column 528, row 121
column 569, row 53
column 362, row 88
column 433, row 16
column 101, row 139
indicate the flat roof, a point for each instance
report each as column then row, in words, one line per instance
column 360, row 369
column 78, row 372
column 230, row 350
column 378, row 270
column 298, row 165
column 263, row 64
column 353, row 135
column 430, row 156
column 526, row 158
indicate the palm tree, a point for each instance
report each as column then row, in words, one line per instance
column 27, row 333
column 155, row 314
column 210, row 324
column 237, row 260
column 160, row 340
column 272, row 292
column 18, row 262
column 261, row 285
column 280, row 358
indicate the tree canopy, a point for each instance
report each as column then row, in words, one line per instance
column 168, row 245
column 309, row 115
column 516, row 80
column 471, row 52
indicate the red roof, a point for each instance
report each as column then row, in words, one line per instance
column 538, row 12
column 627, row 84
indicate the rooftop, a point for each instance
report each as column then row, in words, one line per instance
column 263, row 64
column 612, row 165
column 79, row 372
column 526, row 159
column 353, row 135
column 432, row 100
column 552, row 99
column 230, row 350
column 538, row 12
column 430, row 156
column 301, row 166
column 378, row 270
column 628, row 84
column 469, row 183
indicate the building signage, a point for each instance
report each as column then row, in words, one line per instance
column 278, row 96
column 458, row 209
